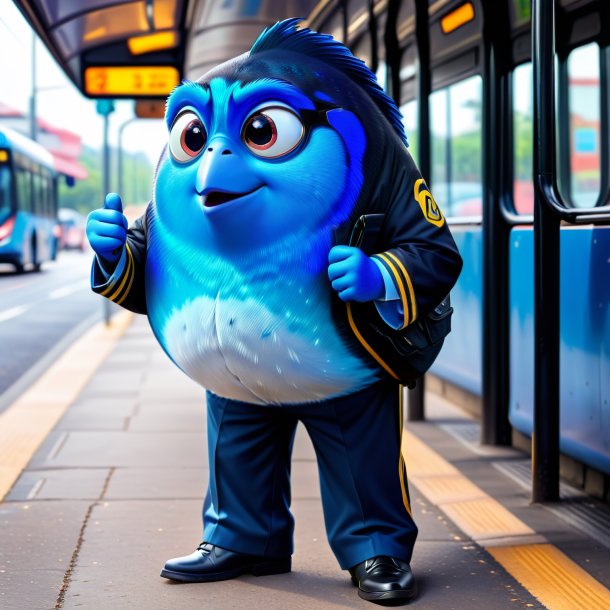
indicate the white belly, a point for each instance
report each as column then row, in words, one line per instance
column 239, row 349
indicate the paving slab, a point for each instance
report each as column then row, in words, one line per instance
column 65, row 484
column 191, row 483
column 37, row 540
column 113, row 383
column 145, row 534
column 122, row 449
column 303, row 449
column 453, row 576
column 157, row 483
column 95, row 405
column 149, row 417
column 84, row 419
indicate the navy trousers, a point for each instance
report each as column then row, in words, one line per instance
column 362, row 478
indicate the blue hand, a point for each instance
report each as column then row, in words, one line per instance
column 354, row 275
column 107, row 232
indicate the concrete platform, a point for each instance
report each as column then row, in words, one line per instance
column 117, row 488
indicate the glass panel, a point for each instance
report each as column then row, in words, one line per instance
column 523, row 139
column 24, row 189
column 355, row 9
column 585, row 133
column 47, row 194
column 439, row 134
column 456, row 124
column 37, row 194
column 53, row 196
column 521, row 11
column 6, row 203
column 409, row 120
column 59, row 10
column 99, row 27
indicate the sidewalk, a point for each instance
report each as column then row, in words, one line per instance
column 117, row 488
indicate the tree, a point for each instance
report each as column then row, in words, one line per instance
column 86, row 195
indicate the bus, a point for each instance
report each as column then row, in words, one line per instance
column 28, row 202
column 463, row 74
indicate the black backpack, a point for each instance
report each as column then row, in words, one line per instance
column 405, row 354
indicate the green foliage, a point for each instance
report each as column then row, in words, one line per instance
column 524, row 146
column 87, row 195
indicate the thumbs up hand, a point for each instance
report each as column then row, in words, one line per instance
column 107, row 232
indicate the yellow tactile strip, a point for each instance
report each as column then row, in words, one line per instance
column 26, row 423
column 559, row 583
column 548, row 574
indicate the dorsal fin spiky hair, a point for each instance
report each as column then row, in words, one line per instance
column 284, row 35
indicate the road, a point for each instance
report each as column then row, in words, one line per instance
column 40, row 313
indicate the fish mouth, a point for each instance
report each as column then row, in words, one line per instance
column 214, row 197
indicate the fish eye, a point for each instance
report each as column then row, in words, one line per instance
column 187, row 137
column 272, row 132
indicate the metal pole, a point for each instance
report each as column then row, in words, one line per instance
column 495, row 425
column 106, row 188
column 33, row 124
column 120, row 155
column 545, row 437
column 416, row 411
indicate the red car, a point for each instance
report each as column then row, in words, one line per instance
column 72, row 235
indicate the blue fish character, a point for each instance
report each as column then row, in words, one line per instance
column 243, row 265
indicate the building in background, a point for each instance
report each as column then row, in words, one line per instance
column 64, row 145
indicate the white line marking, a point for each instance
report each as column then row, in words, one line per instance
column 13, row 312
column 35, row 489
column 64, row 291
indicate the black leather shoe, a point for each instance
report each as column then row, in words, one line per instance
column 210, row 562
column 381, row 579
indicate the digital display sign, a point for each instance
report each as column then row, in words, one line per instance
column 130, row 81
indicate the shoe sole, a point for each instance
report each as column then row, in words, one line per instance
column 264, row 568
column 374, row 596
column 382, row 596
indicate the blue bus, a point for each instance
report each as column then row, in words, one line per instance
column 28, row 202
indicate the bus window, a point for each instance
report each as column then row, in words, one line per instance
column 585, row 133
column 456, row 128
column 523, row 139
column 37, row 195
column 53, row 196
column 7, row 205
column 48, row 196
column 409, row 120
column 24, row 187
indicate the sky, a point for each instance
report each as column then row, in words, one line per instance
column 58, row 100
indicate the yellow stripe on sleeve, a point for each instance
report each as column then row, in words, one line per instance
column 401, row 287
column 409, row 284
column 128, row 289
column 128, row 272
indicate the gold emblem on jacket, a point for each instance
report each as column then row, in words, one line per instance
column 430, row 209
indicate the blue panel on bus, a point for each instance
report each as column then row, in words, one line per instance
column 584, row 341
column 585, row 140
column 460, row 359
